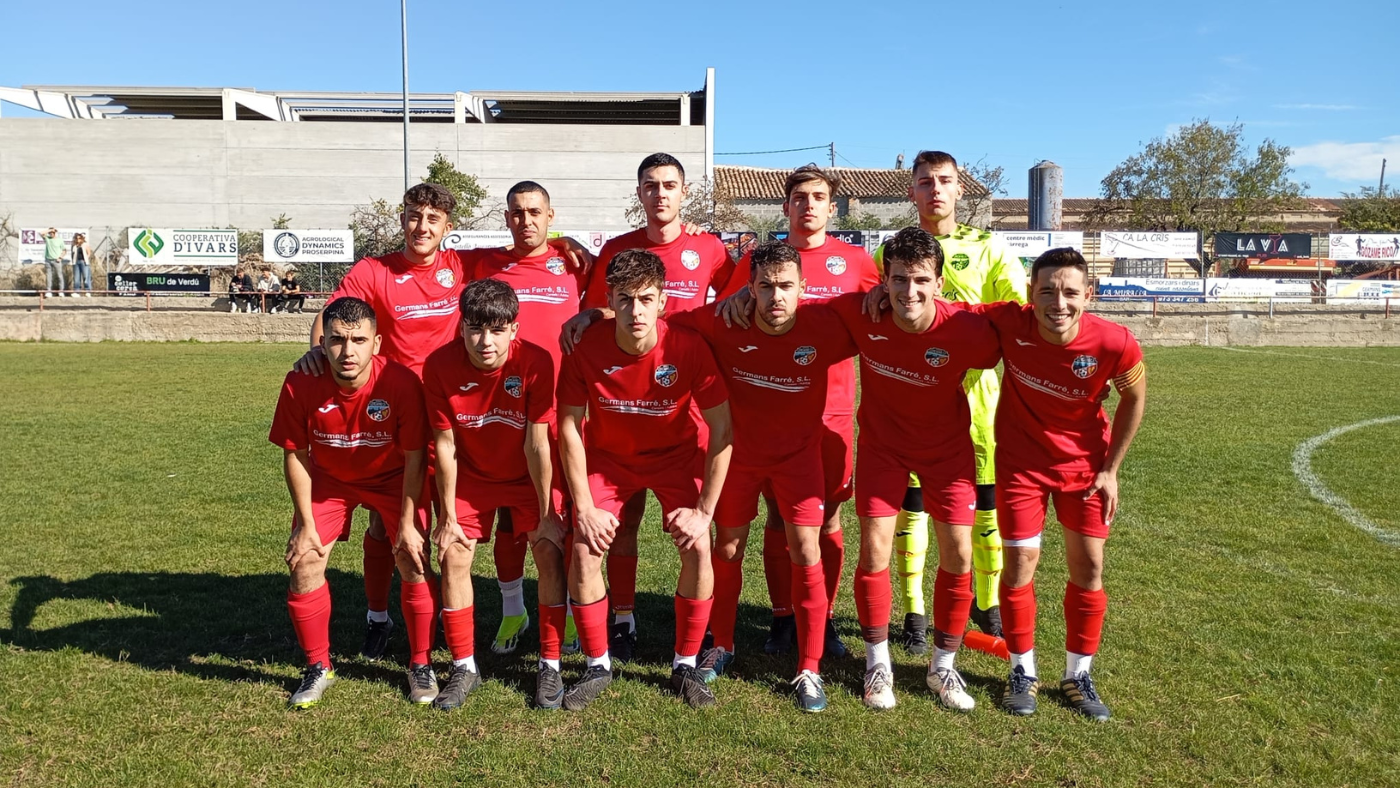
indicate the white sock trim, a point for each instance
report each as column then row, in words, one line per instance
column 678, row 660
column 377, row 616
column 1025, row 661
column 877, row 654
column 466, row 662
column 1077, row 663
column 605, row 661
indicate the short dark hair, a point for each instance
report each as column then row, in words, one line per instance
column 488, row 302
column 348, row 310
column 660, row 160
column 1065, row 257
column 914, row 247
column 430, row 195
column 808, row 173
column 527, row 187
column 634, row 270
column 773, row 254
column 933, row 158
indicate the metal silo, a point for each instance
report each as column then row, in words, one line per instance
column 1046, row 197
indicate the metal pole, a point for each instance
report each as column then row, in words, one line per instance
column 403, row 10
column 1381, row 191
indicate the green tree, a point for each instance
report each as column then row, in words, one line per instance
column 1370, row 211
column 471, row 195
column 1201, row 178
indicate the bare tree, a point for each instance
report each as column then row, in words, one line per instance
column 975, row 207
column 703, row 206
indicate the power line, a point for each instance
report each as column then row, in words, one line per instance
column 763, row 152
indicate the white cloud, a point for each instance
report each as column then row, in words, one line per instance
column 1325, row 107
column 1353, row 161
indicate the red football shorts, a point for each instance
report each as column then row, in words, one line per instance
column 838, row 456
column 949, row 493
column 797, row 484
column 1022, row 497
column 333, row 504
column 676, row 482
column 478, row 501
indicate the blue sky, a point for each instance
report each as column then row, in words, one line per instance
column 1083, row 84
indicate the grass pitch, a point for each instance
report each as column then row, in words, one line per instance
column 1251, row 638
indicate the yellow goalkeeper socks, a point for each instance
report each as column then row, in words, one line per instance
column 986, row 558
column 910, row 552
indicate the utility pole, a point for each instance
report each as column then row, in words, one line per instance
column 1381, row 190
column 832, row 149
column 403, row 12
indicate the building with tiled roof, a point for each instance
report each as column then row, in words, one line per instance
column 758, row 192
column 1315, row 215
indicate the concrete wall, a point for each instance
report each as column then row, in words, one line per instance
column 109, row 175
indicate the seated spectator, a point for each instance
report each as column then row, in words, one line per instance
column 292, row 299
column 241, row 293
column 270, row 290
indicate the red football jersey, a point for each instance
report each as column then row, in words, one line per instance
column 912, row 400
column 777, row 384
column 415, row 306
column 489, row 411
column 639, row 406
column 353, row 436
column 832, row 269
column 694, row 264
column 1051, row 412
column 548, row 293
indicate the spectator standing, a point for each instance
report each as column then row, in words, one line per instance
column 82, row 266
column 291, row 292
column 53, row 261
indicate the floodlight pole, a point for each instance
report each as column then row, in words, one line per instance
column 403, row 12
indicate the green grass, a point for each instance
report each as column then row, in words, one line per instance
column 1251, row 640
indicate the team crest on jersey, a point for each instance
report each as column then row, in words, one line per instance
column 804, row 355
column 378, row 410
column 690, row 259
column 555, row 265
column 445, row 277
column 960, row 261
column 666, row 375
column 936, row 356
column 514, row 386
column 1084, row 366
column 836, row 264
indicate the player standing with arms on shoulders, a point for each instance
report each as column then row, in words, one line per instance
column 491, row 403
column 694, row 264
column 635, row 378
column 977, row 270
column 1055, row 443
column 914, row 419
column 353, row 438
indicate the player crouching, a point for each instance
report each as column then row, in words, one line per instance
column 635, row 378
column 1054, row 443
column 354, row 438
column 490, row 402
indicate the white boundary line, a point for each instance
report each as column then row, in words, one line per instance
column 1302, row 468
column 1304, row 355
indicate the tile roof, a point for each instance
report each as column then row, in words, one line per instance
column 759, row 183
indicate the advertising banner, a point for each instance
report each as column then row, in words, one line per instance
column 132, row 283
column 1363, row 289
column 592, row 240
column 1148, row 246
column 1124, row 288
column 159, row 246
column 1264, row 246
column 476, row 239
column 1285, row 290
column 738, row 244
column 1029, row 245
column 308, row 246
column 1364, row 246
column 31, row 243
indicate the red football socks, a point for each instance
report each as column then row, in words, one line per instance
column 1018, row 617
column 592, row 623
column 777, row 568
column 460, row 628
column 833, row 546
column 692, row 615
column 809, row 593
column 873, row 596
column 379, row 572
column 952, row 601
column 622, row 582
column 1084, row 612
column 729, row 583
column 416, row 601
column 551, row 631
column 311, row 619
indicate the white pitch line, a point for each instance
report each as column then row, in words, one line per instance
column 1302, row 468
column 1304, row 355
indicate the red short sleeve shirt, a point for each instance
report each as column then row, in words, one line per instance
column 549, row 294
column 694, row 264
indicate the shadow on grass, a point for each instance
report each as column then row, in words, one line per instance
column 236, row 628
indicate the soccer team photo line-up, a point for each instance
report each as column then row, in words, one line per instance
column 539, row 392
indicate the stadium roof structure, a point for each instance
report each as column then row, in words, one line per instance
column 760, row 183
column 683, row 108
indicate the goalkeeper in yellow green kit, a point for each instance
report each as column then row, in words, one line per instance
column 977, row 269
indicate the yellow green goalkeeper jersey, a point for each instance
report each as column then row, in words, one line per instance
column 978, row 269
